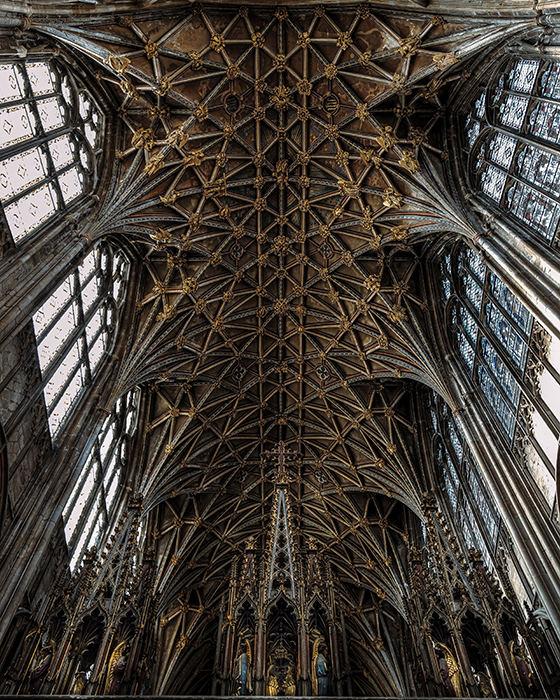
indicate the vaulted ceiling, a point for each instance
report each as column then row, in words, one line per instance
column 279, row 172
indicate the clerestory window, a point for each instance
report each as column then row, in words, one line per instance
column 95, row 498
column 50, row 139
column 465, row 488
column 512, row 138
column 75, row 328
column 511, row 359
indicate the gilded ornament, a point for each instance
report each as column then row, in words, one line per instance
column 233, row 72
column 399, row 85
column 343, row 40
column 170, row 198
column 438, row 20
column 221, row 159
column 143, row 138
column 320, row 11
column 304, row 205
column 259, row 159
column 160, row 288
column 281, row 13
column 330, row 71
column 347, row 258
column 128, row 88
column 201, row 113
column 196, row 62
column 348, row 189
column 304, row 181
column 215, row 258
column 365, row 58
column 257, row 40
column 260, row 85
column 391, row 198
column 177, row 137
column 194, row 158
column 386, row 138
column 444, row 60
column 409, row 161
column 304, row 87
column 228, row 132
column 375, row 242
column 409, row 46
column 258, row 182
column 158, row 111
column 218, row 188
column 373, row 283
column 324, row 231
column 200, row 306
column 217, row 42
column 118, row 64
column 397, row 314
column 259, row 113
column 194, row 222
column 190, row 285
column 281, row 244
column 369, row 157
column 281, row 307
column 280, row 97
column 363, row 11
column 303, row 39
column 279, row 63
column 400, row 233
column 362, row 112
column 338, row 211
column 181, row 342
column 432, row 88
column 303, row 158
column 151, row 49
column 218, row 324
column 154, row 164
column 342, row 158
column 331, row 131
column 260, row 204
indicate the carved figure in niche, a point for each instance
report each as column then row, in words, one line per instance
column 79, row 683
column 449, row 670
column 519, row 658
column 117, row 668
column 280, row 677
column 319, row 668
column 485, row 685
column 41, row 668
column 242, row 669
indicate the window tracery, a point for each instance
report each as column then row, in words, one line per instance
column 50, row 138
column 463, row 484
column 495, row 335
column 511, row 134
column 75, row 327
column 94, row 500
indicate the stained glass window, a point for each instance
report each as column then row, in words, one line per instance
column 74, row 329
column 545, row 121
column 512, row 111
column 523, row 75
column 550, row 81
column 493, row 181
column 49, row 138
column 93, row 501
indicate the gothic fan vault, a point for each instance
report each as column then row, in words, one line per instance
column 279, row 172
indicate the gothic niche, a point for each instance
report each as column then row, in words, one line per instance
column 278, row 639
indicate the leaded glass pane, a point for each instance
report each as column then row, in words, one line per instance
column 493, row 181
column 11, row 83
column 63, row 405
column 500, row 371
column 535, row 209
column 512, row 111
column 21, row 171
column 480, row 106
column 446, row 287
column 473, row 291
column 540, row 167
column 503, row 330
column 50, row 308
column 469, row 324
column 550, row 81
column 545, row 122
column 57, row 335
column 510, row 303
column 475, row 264
column 497, row 402
column 16, row 124
column 455, row 441
column 480, row 500
column 50, row 113
column 523, row 75
column 40, row 77
column 473, row 132
column 501, row 150
column 32, row 209
column 466, row 350
column 61, row 151
column 70, row 184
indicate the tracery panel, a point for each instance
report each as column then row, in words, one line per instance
column 75, row 328
column 50, row 140
column 496, row 338
column 92, row 504
column 511, row 137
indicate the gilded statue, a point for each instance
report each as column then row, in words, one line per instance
column 449, row 670
column 319, row 669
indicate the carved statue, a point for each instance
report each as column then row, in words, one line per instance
column 272, row 680
column 242, row 670
column 519, row 659
column 117, row 667
column 319, row 668
column 41, row 668
column 449, row 670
